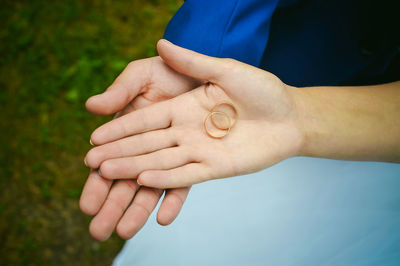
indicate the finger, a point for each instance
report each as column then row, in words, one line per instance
column 193, row 64
column 106, row 220
column 171, row 205
column 155, row 116
column 182, row 176
column 130, row 83
column 138, row 212
column 131, row 146
column 131, row 167
column 94, row 193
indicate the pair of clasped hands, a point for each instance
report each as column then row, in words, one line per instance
column 157, row 142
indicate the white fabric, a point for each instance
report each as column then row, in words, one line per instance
column 303, row 211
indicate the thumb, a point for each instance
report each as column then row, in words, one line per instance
column 193, row 64
column 129, row 84
column 114, row 99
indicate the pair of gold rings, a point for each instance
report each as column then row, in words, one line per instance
column 224, row 126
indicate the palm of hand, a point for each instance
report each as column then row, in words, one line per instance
column 177, row 150
column 251, row 145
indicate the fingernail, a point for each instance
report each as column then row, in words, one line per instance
column 167, row 41
column 137, row 180
column 91, row 143
column 99, row 172
column 84, row 160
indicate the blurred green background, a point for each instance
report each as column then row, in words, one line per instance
column 53, row 56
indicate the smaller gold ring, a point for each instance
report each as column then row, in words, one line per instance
column 226, row 129
column 235, row 115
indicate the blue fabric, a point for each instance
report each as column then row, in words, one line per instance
column 312, row 42
column 333, row 42
column 223, row 28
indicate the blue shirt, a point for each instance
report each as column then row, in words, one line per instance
column 305, row 43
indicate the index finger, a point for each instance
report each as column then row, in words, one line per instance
column 155, row 116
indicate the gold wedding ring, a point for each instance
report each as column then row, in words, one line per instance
column 226, row 128
column 231, row 107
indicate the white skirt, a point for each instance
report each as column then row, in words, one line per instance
column 303, row 211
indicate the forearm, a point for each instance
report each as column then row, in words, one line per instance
column 350, row 123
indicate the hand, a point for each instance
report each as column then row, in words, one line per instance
column 142, row 83
column 165, row 145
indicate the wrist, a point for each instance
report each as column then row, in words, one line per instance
column 349, row 123
column 304, row 120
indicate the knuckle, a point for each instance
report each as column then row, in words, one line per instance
column 176, row 199
column 117, row 203
column 144, row 119
column 134, row 166
column 142, row 207
column 171, row 177
column 131, row 65
column 122, row 127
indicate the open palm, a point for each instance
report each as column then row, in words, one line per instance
column 165, row 145
column 143, row 82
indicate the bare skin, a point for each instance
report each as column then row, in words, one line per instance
column 351, row 123
column 164, row 145
column 143, row 82
column 179, row 151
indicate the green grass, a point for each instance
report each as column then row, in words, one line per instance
column 53, row 56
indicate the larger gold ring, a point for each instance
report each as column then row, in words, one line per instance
column 234, row 118
column 226, row 129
